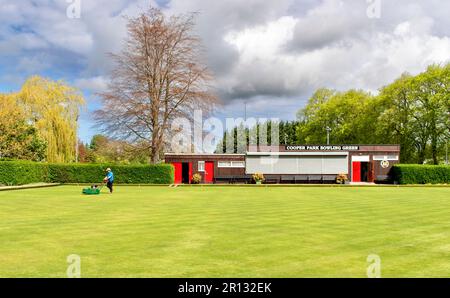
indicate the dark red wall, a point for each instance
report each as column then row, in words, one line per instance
column 195, row 158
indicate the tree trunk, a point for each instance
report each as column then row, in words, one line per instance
column 421, row 153
column 154, row 153
column 434, row 140
column 434, row 152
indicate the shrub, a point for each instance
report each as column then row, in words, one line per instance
column 341, row 178
column 126, row 174
column 420, row 174
column 258, row 177
column 21, row 172
column 196, row 179
column 76, row 173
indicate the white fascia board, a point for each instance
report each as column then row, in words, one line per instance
column 364, row 158
column 206, row 154
column 321, row 153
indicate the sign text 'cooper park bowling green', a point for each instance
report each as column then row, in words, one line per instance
column 321, row 148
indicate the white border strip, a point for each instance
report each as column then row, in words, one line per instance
column 297, row 153
column 205, row 154
column 364, row 158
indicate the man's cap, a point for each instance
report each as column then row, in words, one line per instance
column 108, row 169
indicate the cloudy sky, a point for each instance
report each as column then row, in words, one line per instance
column 269, row 54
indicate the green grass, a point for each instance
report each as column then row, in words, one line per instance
column 226, row 231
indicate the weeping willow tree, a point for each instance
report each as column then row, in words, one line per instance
column 53, row 108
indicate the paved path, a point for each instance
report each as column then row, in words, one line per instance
column 34, row 185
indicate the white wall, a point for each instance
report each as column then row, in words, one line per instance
column 305, row 164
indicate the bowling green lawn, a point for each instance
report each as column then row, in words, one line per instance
column 226, row 231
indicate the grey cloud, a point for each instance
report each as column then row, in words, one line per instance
column 335, row 22
column 265, row 79
column 217, row 18
column 331, row 23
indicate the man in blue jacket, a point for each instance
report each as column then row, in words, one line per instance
column 109, row 179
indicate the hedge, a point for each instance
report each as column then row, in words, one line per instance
column 20, row 172
column 420, row 174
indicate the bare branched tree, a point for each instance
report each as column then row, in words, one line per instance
column 158, row 76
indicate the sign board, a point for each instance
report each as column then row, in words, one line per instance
column 384, row 164
column 321, row 148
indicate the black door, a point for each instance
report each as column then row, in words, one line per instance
column 364, row 171
column 185, row 172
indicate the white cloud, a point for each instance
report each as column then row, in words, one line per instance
column 262, row 41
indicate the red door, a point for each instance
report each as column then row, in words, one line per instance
column 178, row 172
column 209, row 172
column 356, row 171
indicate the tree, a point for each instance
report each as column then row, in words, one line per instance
column 412, row 111
column 18, row 139
column 98, row 142
column 53, row 109
column 396, row 122
column 158, row 76
column 416, row 113
column 82, row 152
column 349, row 115
column 315, row 103
column 432, row 92
column 104, row 150
column 286, row 132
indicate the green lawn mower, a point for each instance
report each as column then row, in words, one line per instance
column 93, row 190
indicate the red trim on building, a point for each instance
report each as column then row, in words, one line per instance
column 209, row 172
column 356, row 171
column 178, row 172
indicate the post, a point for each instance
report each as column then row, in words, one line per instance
column 245, row 110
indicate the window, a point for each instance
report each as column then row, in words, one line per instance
column 238, row 164
column 385, row 157
column 224, row 164
column 231, row 164
column 201, row 166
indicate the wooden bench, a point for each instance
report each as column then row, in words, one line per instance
column 224, row 178
column 287, row 179
column 272, row 180
column 301, row 179
column 242, row 179
column 315, row 178
column 329, row 179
